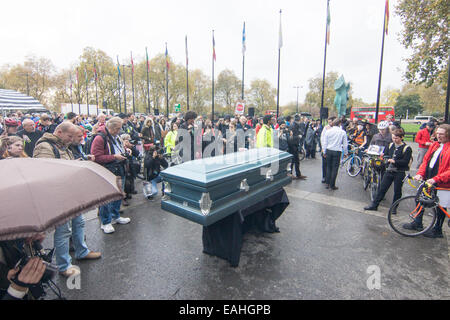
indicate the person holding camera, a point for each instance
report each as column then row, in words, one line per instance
column 109, row 152
column 153, row 163
column 20, row 279
column 132, row 167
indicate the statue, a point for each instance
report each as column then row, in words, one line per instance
column 340, row 101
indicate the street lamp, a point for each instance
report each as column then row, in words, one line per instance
column 297, row 95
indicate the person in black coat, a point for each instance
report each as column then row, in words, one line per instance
column 153, row 163
column 29, row 135
column 24, row 283
column 188, row 127
column 293, row 146
column 399, row 155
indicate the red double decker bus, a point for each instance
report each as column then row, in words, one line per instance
column 369, row 113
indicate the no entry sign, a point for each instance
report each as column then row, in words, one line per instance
column 240, row 107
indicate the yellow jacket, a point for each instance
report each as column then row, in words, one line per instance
column 169, row 141
column 264, row 139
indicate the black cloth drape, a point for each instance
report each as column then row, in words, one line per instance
column 224, row 238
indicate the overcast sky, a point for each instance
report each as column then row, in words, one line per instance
column 59, row 30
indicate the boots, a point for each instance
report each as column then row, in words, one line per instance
column 371, row 207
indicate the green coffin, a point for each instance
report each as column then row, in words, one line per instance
column 208, row 190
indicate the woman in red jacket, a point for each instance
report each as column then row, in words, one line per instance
column 435, row 169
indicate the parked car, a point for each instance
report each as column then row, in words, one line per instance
column 423, row 119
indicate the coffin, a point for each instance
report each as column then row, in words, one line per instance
column 208, row 190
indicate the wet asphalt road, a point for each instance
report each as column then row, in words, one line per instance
column 325, row 250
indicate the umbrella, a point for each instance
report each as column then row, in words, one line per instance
column 37, row 195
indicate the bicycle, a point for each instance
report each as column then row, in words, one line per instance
column 421, row 208
column 354, row 162
column 373, row 166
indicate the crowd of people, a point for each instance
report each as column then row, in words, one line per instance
column 124, row 143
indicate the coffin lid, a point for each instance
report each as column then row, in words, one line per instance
column 210, row 171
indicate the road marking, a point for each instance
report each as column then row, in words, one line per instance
column 336, row 202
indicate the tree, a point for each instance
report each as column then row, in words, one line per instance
column 390, row 96
column 433, row 97
column 228, row 90
column 408, row 104
column 425, row 32
column 261, row 96
column 314, row 95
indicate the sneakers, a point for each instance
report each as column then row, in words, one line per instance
column 71, row 271
column 107, row 228
column 121, row 220
column 413, row 226
column 91, row 256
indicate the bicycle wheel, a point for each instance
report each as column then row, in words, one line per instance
column 301, row 154
column 407, row 210
column 354, row 166
column 374, row 185
column 366, row 177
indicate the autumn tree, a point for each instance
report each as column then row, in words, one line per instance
column 425, row 33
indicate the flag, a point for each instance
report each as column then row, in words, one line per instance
column 280, row 43
column 132, row 63
column 187, row 59
column 386, row 12
column 214, row 48
column 118, row 66
column 167, row 58
column 148, row 63
column 244, row 47
column 328, row 23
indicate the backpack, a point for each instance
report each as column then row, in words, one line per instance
column 55, row 150
column 403, row 151
column 88, row 144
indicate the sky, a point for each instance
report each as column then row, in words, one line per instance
column 59, row 30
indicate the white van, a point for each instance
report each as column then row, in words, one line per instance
column 423, row 119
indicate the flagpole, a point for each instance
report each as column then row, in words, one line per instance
column 167, row 83
column 187, row 76
column 243, row 61
column 79, row 95
column 124, row 91
column 96, row 90
column 381, row 69
column 148, row 82
column 279, row 64
column 212, row 116
column 324, row 62
column 71, row 102
column 118, row 84
column 87, row 92
column 132, row 81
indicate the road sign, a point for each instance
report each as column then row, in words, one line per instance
column 177, row 107
column 240, row 107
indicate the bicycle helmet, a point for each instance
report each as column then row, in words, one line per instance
column 9, row 122
column 383, row 125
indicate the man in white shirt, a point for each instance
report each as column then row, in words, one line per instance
column 334, row 142
column 324, row 160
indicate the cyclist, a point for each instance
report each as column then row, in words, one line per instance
column 399, row 154
column 435, row 169
column 384, row 137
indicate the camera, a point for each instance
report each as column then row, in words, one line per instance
column 36, row 250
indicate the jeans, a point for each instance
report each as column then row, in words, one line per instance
column 420, row 155
column 154, row 183
column 111, row 210
column 61, row 242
